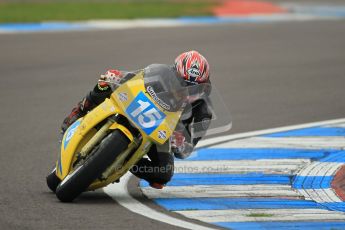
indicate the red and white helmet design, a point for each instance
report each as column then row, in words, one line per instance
column 193, row 67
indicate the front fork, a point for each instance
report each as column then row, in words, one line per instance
column 102, row 133
column 119, row 162
column 124, row 161
column 97, row 138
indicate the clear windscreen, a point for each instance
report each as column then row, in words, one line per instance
column 173, row 94
column 221, row 120
column 165, row 87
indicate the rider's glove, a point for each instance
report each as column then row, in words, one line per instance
column 177, row 141
column 111, row 76
column 179, row 146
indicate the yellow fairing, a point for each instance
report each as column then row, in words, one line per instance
column 131, row 90
column 77, row 132
column 120, row 102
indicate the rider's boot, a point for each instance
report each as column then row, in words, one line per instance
column 157, row 185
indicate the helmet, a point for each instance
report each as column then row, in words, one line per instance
column 193, row 67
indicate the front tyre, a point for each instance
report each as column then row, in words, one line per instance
column 53, row 181
column 80, row 179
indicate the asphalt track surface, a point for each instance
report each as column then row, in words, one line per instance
column 270, row 75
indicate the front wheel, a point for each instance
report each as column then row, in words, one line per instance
column 53, row 181
column 80, row 179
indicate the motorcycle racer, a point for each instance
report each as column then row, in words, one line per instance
column 194, row 69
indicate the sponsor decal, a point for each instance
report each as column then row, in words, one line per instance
column 157, row 99
column 123, row 96
column 162, row 134
column 70, row 132
column 193, row 72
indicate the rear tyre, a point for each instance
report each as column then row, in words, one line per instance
column 81, row 178
column 53, row 181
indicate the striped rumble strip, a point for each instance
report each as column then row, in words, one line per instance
column 286, row 179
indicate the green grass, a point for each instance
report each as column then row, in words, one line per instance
column 84, row 10
column 259, row 215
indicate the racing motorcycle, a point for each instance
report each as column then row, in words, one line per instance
column 99, row 148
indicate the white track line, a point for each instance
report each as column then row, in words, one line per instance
column 336, row 126
column 288, row 142
column 320, row 195
column 166, row 23
column 241, row 215
column 267, row 131
column 120, row 193
column 274, row 166
column 202, row 191
column 320, row 169
column 134, row 23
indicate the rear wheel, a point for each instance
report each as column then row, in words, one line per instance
column 81, row 178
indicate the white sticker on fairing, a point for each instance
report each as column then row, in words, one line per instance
column 123, row 96
column 162, row 134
